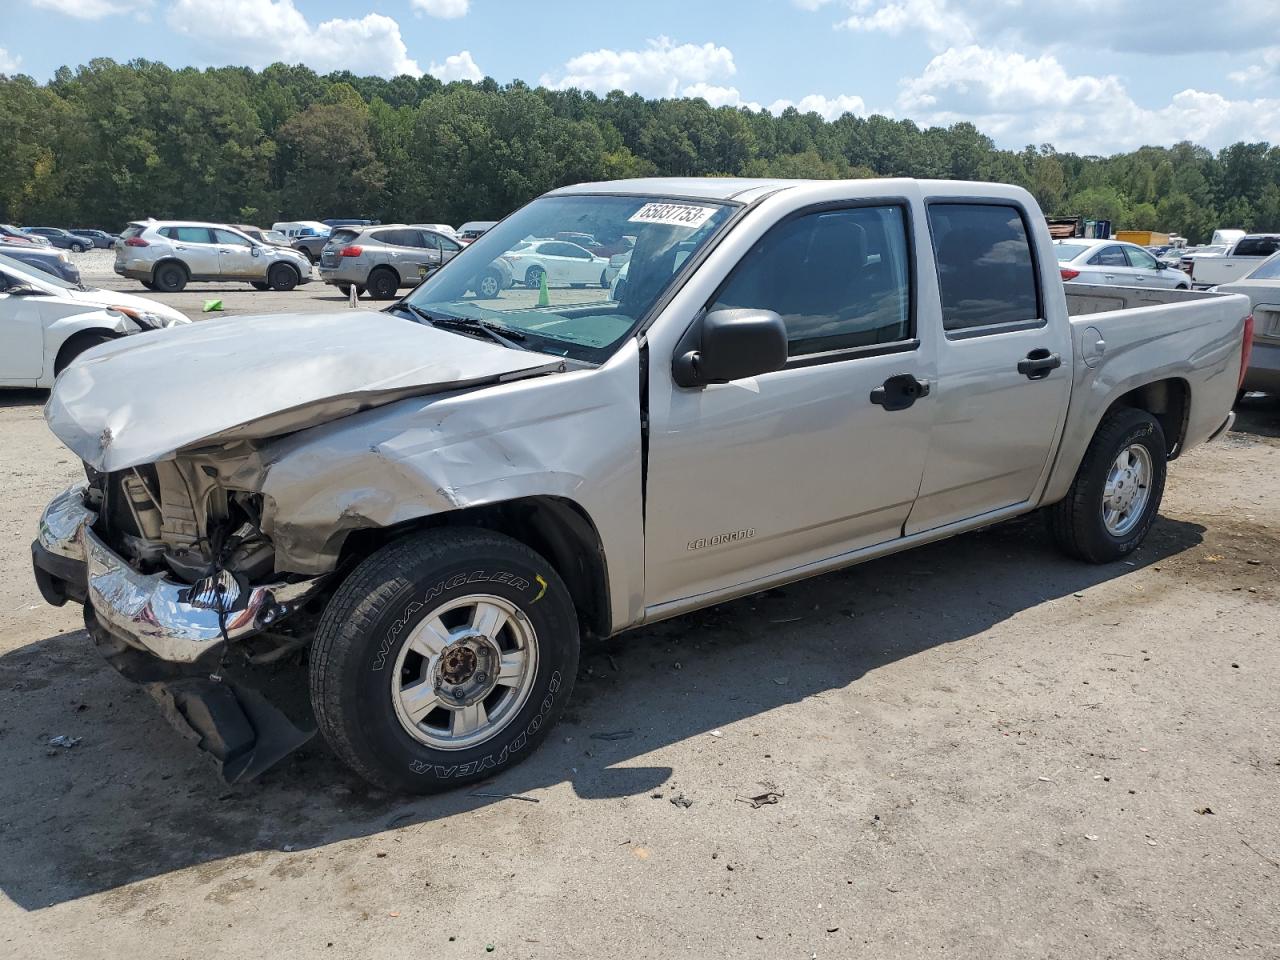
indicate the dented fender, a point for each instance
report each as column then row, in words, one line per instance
column 575, row 436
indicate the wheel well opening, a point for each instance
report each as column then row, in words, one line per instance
column 557, row 529
column 75, row 343
column 1169, row 401
column 170, row 261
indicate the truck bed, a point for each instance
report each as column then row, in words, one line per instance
column 1086, row 298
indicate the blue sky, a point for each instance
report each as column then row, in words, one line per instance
column 1095, row 76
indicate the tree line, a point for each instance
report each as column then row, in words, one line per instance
column 106, row 143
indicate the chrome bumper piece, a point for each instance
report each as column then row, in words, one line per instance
column 150, row 611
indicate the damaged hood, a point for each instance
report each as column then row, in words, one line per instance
column 140, row 399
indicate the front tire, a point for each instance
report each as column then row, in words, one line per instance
column 283, row 277
column 1117, row 490
column 490, row 285
column 77, row 248
column 444, row 658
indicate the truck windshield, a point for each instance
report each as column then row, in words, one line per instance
column 573, row 275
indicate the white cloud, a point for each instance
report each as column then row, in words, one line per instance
column 718, row 96
column 9, row 63
column 829, row 108
column 260, row 32
column 1019, row 100
column 662, row 69
column 1132, row 26
column 458, row 67
column 1255, row 73
column 444, row 9
column 89, row 9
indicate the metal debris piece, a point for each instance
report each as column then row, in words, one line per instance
column 758, row 801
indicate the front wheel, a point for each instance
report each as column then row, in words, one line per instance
column 444, row 658
column 77, row 248
column 490, row 285
column 283, row 277
column 1116, row 493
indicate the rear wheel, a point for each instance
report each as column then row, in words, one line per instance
column 1117, row 490
column 383, row 284
column 170, row 277
column 148, row 284
column 283, row 277
column 533, row 277
column 444, row 658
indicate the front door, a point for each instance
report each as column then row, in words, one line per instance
column 236, row 260
column 1004, row 372
column 21, row 335
column 756, row 477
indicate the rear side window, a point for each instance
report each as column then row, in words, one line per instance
column 398, row 238
column 986, row 273
column 1109, row 257
column 186, row 234
column 1257, row 247
column 839, row 279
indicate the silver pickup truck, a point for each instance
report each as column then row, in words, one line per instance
column 439, row 500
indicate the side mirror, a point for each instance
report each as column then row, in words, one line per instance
column 1161, row 265
column 256, row 250
column 23, row 290
column 730, row 345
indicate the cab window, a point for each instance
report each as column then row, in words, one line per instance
column 840, row 279
column 986, row 274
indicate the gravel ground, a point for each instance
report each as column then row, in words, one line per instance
column 979, row 749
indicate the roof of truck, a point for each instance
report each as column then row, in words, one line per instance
column 746, row 190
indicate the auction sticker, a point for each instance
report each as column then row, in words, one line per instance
column 673, row 215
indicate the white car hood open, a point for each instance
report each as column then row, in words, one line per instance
column 142, row 398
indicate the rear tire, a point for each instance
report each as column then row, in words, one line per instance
column 489, row 285
column 283, row 277
column 533, row 277
column 170, row 277
column 383, row 284
column 1090, row 523
column 148, row 284
column 415, row 688
column 259, row 285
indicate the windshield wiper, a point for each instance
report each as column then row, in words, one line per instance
column 512, row 339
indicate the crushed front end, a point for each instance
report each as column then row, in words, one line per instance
column 178, row 584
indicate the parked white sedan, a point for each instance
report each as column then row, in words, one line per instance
column 1112, row 263
column 45, row 322
column 559, row 261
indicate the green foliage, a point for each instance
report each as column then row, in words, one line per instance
column 106, row 142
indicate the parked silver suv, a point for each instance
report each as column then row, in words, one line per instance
column 383, row 258
column 167, row 254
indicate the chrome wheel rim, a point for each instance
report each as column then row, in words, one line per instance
column 1128, row 490
column 489, row 287
column 464, row 672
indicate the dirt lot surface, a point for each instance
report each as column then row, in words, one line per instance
column 978, row 749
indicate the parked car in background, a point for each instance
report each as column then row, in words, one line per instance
column 100, row 239
column 474, row 229
column 167, row 254
column 63, row 239
column 331, row 223
column 46, row 323
column 384, row 258
column 854, row 369
column 1262, row 287
column 11, row 234
column 56, row 263
column 272, row 238
column 308, row 237
column 1244, row 255
column 561, row 262
column 444, row 228
column 1117, row 264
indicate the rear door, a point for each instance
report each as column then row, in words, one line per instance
column 1004, row 371
column 1112, row 266
column 235, row 257
column 195, row 247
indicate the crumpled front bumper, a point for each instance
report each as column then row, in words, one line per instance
column 168, row 619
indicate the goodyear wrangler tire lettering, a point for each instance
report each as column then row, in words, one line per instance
column 358, row 663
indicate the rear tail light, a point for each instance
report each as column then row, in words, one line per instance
column 1246, row 350
column 352, row 251
column 1191, row 269
column 1068, row 274
column 136, row 242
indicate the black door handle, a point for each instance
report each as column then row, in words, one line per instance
column 899, row 392
column 1038, row 364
